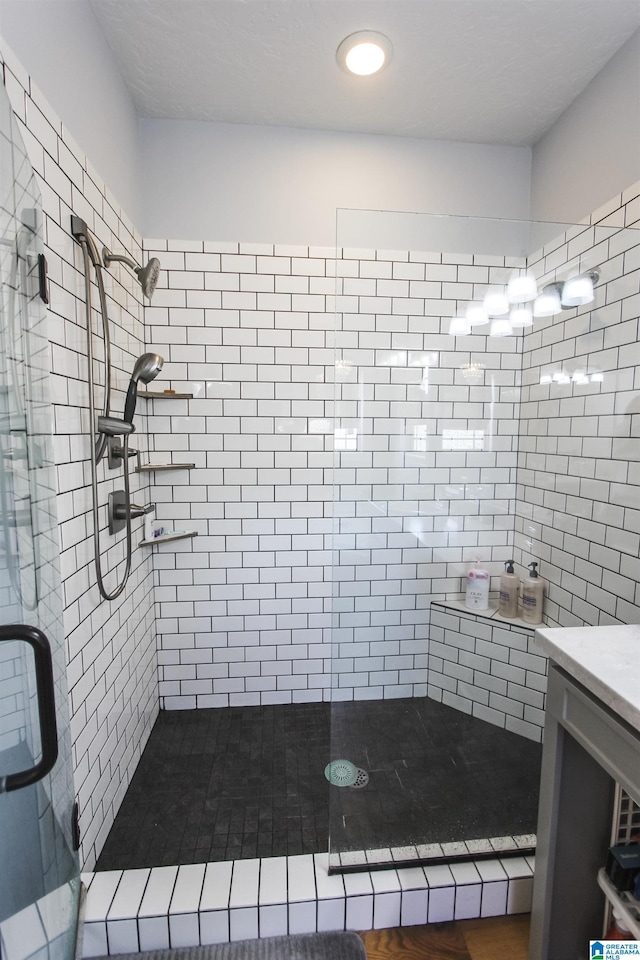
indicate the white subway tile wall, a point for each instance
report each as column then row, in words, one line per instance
column 421, row 430
column 243, row 610
column 110, row 647
column 578, row 506
column 490, row 670
column 425, row 457
column 424, row 472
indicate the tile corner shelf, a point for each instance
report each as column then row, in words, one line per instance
column 167, row 537
column 492, row 613
column 155, row 467
column 162, row 395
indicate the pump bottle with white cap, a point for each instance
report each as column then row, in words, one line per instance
column 509, row 592
column 532, row 596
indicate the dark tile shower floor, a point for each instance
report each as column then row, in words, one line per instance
column 249, row 782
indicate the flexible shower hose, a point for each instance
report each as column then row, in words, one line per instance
column 97, row 448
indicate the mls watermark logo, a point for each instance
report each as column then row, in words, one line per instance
column 613, row 949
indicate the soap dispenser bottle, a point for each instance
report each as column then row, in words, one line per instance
column 477, row 592
column 532, row 596
column 509, row 592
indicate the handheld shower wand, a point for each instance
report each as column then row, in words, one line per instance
column 147, row 368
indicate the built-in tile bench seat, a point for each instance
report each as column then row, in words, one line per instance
column 152, row 909
column 487, row 666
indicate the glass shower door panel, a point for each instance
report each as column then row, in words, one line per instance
column 39, row 874
column 381, row 518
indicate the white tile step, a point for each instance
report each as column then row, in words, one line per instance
column 153, row 909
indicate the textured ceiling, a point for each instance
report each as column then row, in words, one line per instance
column 489, row 71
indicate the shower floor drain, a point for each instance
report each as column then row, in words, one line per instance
column 343, row 773
column 362, row 779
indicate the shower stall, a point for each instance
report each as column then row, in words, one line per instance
column 467, row 420
column 471, row 363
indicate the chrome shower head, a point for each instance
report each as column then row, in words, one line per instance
column 147, row 368
column 148, row 276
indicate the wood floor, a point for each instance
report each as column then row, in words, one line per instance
column 496, row 938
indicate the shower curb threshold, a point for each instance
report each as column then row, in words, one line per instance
column 128, row 911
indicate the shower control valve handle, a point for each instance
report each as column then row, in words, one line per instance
column 116, row 452
column 120, row 510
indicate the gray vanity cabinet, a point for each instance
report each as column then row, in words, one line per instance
column 587, row 749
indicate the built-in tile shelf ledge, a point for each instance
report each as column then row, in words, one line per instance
column 458, row 604
column 167, row 537
column 155, row 467
column 164, row 395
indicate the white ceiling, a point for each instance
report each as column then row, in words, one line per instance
column 487, row 71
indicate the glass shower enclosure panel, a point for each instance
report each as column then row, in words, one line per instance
column 39, row 873
column 436, row 357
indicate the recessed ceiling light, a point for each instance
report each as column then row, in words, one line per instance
column 364, row 53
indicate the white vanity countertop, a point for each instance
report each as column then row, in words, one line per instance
column 605, row 660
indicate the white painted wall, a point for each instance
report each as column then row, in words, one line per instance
column 592, row 152
column 64, row 51
column 283, row 185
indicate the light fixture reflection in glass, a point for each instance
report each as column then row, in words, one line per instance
column 577, row 291
column 522, row 288
column 580, row 377
column 473, row 372
column 462, row 439
column 476, row 315
column 343, row 369
column 496, row 302
column 420, row 438
column 501, row 327
column 459, row 327
column 547, row 303
column 521, row 317
column 364, row 53
column 345, row 439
